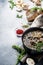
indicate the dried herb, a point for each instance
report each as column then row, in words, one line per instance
column 36, row 8
column 25, row 26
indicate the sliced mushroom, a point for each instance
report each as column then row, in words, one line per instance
column 38, row 2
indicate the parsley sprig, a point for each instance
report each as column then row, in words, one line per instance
column 38, row 46
column 12, row 4
column 21, row 51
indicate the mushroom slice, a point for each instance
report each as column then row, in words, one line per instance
column 38, row 2
column 25, row 6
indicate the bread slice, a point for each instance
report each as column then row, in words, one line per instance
column 32, row 15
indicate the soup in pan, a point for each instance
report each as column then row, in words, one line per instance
column 34, row 40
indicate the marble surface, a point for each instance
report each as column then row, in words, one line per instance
column 8, row 25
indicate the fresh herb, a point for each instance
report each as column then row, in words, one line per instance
column 19, row 16
column 38, row 46
column 36, row 8
column 21, row 51
column 40, row 9
column 17, row 48
column 12, row 4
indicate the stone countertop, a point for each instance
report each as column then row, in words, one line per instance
column 8, row 25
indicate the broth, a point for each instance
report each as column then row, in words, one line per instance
column 34, row 40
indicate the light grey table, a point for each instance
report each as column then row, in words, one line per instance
column 8, row 25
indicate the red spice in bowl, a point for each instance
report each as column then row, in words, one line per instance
column 19, row 32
